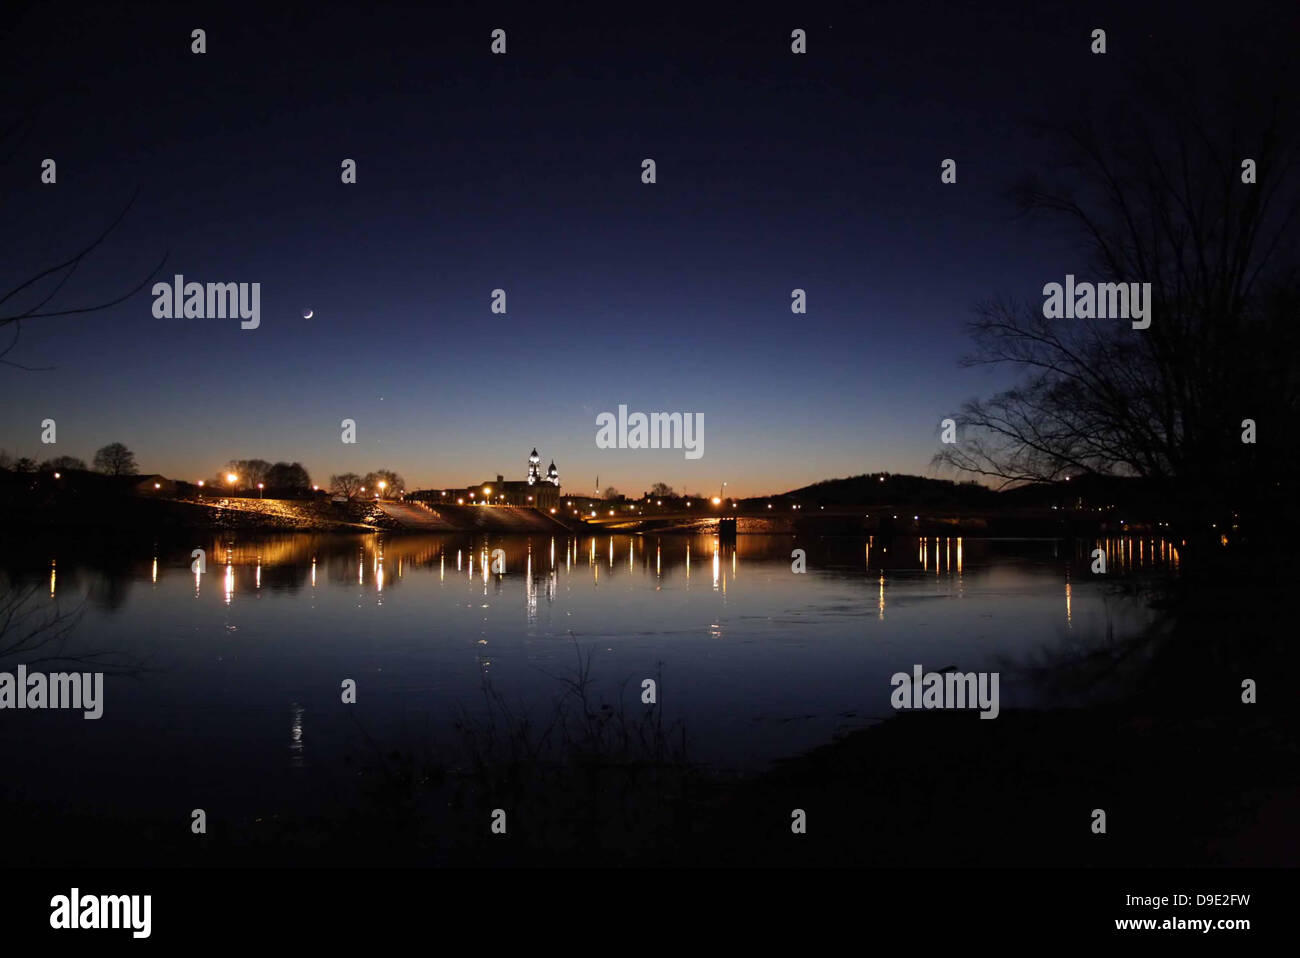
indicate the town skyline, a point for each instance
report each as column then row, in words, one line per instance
column 810, row 305
column 216, row 475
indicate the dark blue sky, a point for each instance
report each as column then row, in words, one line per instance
column 522, row 172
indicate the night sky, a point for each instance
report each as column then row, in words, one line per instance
column 523, row 172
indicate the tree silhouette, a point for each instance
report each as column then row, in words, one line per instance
column 1156, row 195
column 345, row 484
column 116, row 460
column 392, row 483
column 63, row 463
column 45, row 285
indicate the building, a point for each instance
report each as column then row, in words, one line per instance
column 582, row 506
column 535, row 490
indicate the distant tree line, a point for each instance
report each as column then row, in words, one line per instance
column 273, row 479
column 381, row 483
column 112, row 460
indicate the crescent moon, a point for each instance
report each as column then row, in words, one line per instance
column 308, row 314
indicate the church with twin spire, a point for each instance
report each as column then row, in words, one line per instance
column 535, row 490
column 535, row 471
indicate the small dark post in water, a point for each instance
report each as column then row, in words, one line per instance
column 727, row 530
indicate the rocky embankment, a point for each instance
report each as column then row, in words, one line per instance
column 137, row 514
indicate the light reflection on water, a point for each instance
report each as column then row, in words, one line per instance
column 759, row 661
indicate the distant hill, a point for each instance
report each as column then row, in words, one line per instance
column 896, row 489
column 899, row 489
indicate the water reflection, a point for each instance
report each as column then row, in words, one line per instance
column 295, row 736
column 753, row 637
column 291, row 563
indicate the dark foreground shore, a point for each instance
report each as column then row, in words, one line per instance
column 922, row 789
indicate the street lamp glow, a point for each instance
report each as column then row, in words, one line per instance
column 231, row 478
column 717, row 500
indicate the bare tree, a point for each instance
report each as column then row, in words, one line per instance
column 392, row 483
column 1160, row 195
column 22, row 629
column 345, row 484
column 38, row 633
column 116, row 460
column 56, row 277
column 248, row 472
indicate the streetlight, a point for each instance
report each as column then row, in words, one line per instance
column 259, row 490
column 231, row 478
column 382, row 486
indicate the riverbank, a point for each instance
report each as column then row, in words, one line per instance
column 926, row 789
column 154, row 517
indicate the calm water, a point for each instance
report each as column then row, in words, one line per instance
column 240, row 707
